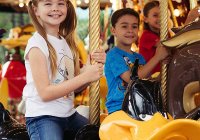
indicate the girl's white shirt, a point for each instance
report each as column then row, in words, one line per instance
column 62, row 107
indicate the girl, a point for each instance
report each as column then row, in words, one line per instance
column 52, row 64
column 150, row 38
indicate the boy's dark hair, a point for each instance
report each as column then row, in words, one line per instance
column 122, row 12
column 147, row 7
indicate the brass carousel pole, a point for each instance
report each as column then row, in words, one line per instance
column 94, row 43
column 173, row 16
column 163, row 35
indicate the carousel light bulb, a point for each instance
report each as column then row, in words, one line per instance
column 78, row 2
column 176, row 12
column 86, row 1
column 111, row 1
column 21, row 4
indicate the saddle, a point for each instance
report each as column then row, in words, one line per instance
column 142, row 97
column 10, row 129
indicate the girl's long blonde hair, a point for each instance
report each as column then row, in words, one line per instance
column 66, row 29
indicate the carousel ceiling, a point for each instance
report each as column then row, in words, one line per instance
column 20, row 5
column 179, row 8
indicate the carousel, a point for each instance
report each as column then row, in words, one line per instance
column 174, row 101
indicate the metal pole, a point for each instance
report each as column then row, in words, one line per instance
column 94, row 43
column 163, row 35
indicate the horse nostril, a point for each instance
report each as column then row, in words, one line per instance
column 197, row 99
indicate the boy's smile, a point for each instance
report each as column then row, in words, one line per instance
column 126, row 31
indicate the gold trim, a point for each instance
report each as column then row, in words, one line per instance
column 190, row 91
column 171, row 7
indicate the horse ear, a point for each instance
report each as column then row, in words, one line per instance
column 1, row 107
column 134, row 70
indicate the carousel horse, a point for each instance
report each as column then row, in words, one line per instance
column 18, row 37
column 10, row 129
column 183, row 83
column 143, row 117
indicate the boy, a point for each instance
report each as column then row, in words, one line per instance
column 125, row 25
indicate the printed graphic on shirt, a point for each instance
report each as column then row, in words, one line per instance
column 62, row 68
column 65, row 69
column 128, row 62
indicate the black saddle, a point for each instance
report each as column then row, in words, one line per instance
column 142, row 97
column 10, row 129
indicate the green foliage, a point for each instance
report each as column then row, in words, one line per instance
column 2, row 54
column 9, row 21
column 82, row 28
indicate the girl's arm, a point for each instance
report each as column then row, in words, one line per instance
column 98, row 56
column 49, row 92
column 161, row 53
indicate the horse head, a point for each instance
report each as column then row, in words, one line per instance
column 183, row 83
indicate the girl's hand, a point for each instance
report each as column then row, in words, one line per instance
column 99, row 56
column 167, row 60
column 161, row 52
column 93, row 72
column 157, row 43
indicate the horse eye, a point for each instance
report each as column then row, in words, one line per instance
column 145, row 117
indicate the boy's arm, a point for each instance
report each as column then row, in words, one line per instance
column 126, row 76
column 144, row 71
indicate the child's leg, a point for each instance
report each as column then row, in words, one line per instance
column 45, row 128
column 76, row 121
